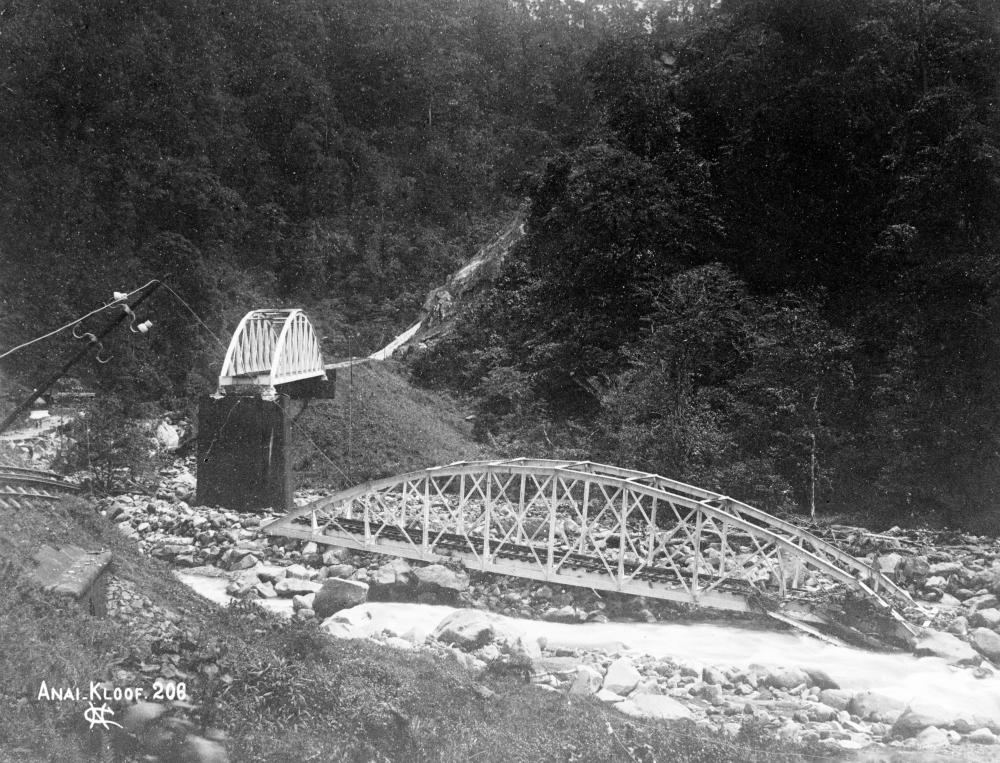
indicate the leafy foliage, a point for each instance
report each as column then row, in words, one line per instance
column 772, row 265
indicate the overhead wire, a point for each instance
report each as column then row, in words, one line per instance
column 76, row 321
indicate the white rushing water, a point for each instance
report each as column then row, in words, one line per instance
column 897, row 675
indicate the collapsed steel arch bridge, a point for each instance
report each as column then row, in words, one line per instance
column 579, row 523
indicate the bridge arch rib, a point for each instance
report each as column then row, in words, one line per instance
column 592, row 525
column 272, row 347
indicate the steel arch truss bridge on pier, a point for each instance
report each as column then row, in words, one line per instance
column 591, row 525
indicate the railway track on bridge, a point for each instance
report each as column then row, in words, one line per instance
column 22, row 488
column 596, row 526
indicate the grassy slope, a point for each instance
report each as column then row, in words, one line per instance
column 292, row 693
column 376, row 426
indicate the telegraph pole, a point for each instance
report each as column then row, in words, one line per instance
column 94, row 340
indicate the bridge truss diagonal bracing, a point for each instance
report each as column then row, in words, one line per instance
column 591, row 525
column 272, row 347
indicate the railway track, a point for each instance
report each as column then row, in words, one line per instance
column 22, row 488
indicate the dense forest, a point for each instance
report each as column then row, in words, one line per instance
column 762, row 241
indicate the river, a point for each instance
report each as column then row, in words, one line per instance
column 895, row 674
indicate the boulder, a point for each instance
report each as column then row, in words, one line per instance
column 838, row 699
column 818, row 711
column 567, row 614
column 713, row 677
column 270, row 573
column 437, row 577
column 292, row 586
column 944, row 569
column 786, row 678
column 265, row 590
column 303, row 601
column 821, row 679
column 922, row 714
column 300, row 572
column 931, row 738
column 468, row 629
column 889, row 563
column 621, row 676
column 350, row 623
column 658, row 706
column 587, row 681
column 982, row 736
column 945, row 645
column 336, row 594
column 913, row 568
column 986, row 617
column 168, row 436
column 981, row 601
column 871, row 706
column 987, row 642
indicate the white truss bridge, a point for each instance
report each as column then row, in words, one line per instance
column 272, row 347
column 592, row 525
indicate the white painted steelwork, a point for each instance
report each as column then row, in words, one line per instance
column 591, row 525
column 272, row 347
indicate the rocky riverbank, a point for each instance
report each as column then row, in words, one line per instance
column 958, row 585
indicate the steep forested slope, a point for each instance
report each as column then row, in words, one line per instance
column 338, row 154
column 772, row 268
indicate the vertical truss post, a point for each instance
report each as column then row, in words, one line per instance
column 427, row 513
column 723, row 547
column 698, row 523
column 622, row 532
column 552, row 523
column 519, row 518
column 585, row 530
column 462, row 503
column 367, row 516
column 651, row 541
column 487, row 519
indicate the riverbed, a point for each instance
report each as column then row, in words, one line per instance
column 894, row 674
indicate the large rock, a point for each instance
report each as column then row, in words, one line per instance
column 944, row 569
column 658, row 706
column 987, row 617
column 622, row 676
column 293, row 586
column 913, row 568
column 987, row 642
column 838, row 699
column 945, row 645
column 355, row 622
column 981, row 601
column 468, row 629
column 587, row 682
column 870, row 706
column 931, row 738
column 395, row 573
column 821, row 679
column 437, row 577
column 337, row 594
column 786, row 678
column 168, row 436
column 982, row 736
column 922, row 714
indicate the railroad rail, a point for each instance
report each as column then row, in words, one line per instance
column 22, row 488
